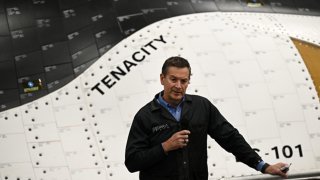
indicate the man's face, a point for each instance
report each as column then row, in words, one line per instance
column 175, row 84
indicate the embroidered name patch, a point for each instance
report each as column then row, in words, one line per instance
column 160, row 128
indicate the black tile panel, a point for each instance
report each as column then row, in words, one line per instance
column 80, row 39
column 24, row 41
column 20, row 14
column 104, row 49
column 8, row 75
column 5, row 48
column 66, row 4
column 204, row 6
column 284, row 6
column 28, row 97
column 131, row 23
column 2, row 8
column 152, row 4
column 105, row 20
column 52, row 86
column 227, row 5
column 56, row 53
column 108, row 36
column 177, row 8
column 28, row 64
column 4, row 29
column 57, row 72
column 127, row 7
column 46, row 9
column 154, row 15
column 80, row 69
column 9, row 99
column 85, row 55
column 50, row 30
column 103, row 5
column 78, row 17
column 308, row 7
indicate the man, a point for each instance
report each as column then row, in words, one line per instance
column 168, row 136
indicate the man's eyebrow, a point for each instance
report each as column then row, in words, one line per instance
column 173, row 76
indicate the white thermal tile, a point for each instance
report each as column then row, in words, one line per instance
column 261, row 124
column 85, row 174
column 13, row 149
column 53, row 173
column 254, row 96
column 246, row 72
column 221, row 85
column 288, row 108
column 42, row 132
column 18, row 170
column 71, row 115
column 47, row 154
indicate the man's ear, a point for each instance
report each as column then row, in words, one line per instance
column 161, row 78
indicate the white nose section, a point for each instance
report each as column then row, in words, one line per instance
column 245, row 63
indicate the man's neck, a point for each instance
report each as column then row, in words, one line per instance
column 171, row 103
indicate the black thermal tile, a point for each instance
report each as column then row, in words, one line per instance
column 227, row 5
column 177, row 8
column 105, row 20
column 132, row 23
column 154, row 15
column 4, row 30
column 28, row 64
column 80, row 69
column 46, row 9
column 77, row 18
column 127, row 7
column 80, row 39
column 2, row 7
column 20, row 14
column 8, row 74
column 28, row 97
column 52, row 86
column 152, row 4
column 108, row 36
column 5, row 48
column 50, row 30
column 66, row 4
column 56, row 53
column 104, row 49
column 308, row 7
column 284, row 6
column 24, row 41
column 9, row 99
column 204, row 6
column 57, row 72
column 85, row 55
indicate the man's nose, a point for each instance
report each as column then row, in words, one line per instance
column 178, row 84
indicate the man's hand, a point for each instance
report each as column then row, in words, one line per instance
column 275, row 169
column 178, row 140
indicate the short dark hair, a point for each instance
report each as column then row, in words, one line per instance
column 175, row 61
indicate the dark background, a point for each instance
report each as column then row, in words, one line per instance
column 54, row 41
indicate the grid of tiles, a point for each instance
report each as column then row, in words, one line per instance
column 252, row 73
column 51, row 42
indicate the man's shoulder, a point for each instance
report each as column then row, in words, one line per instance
column 150, row 106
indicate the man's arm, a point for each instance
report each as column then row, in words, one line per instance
column 231, row 140
column 139, row 153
